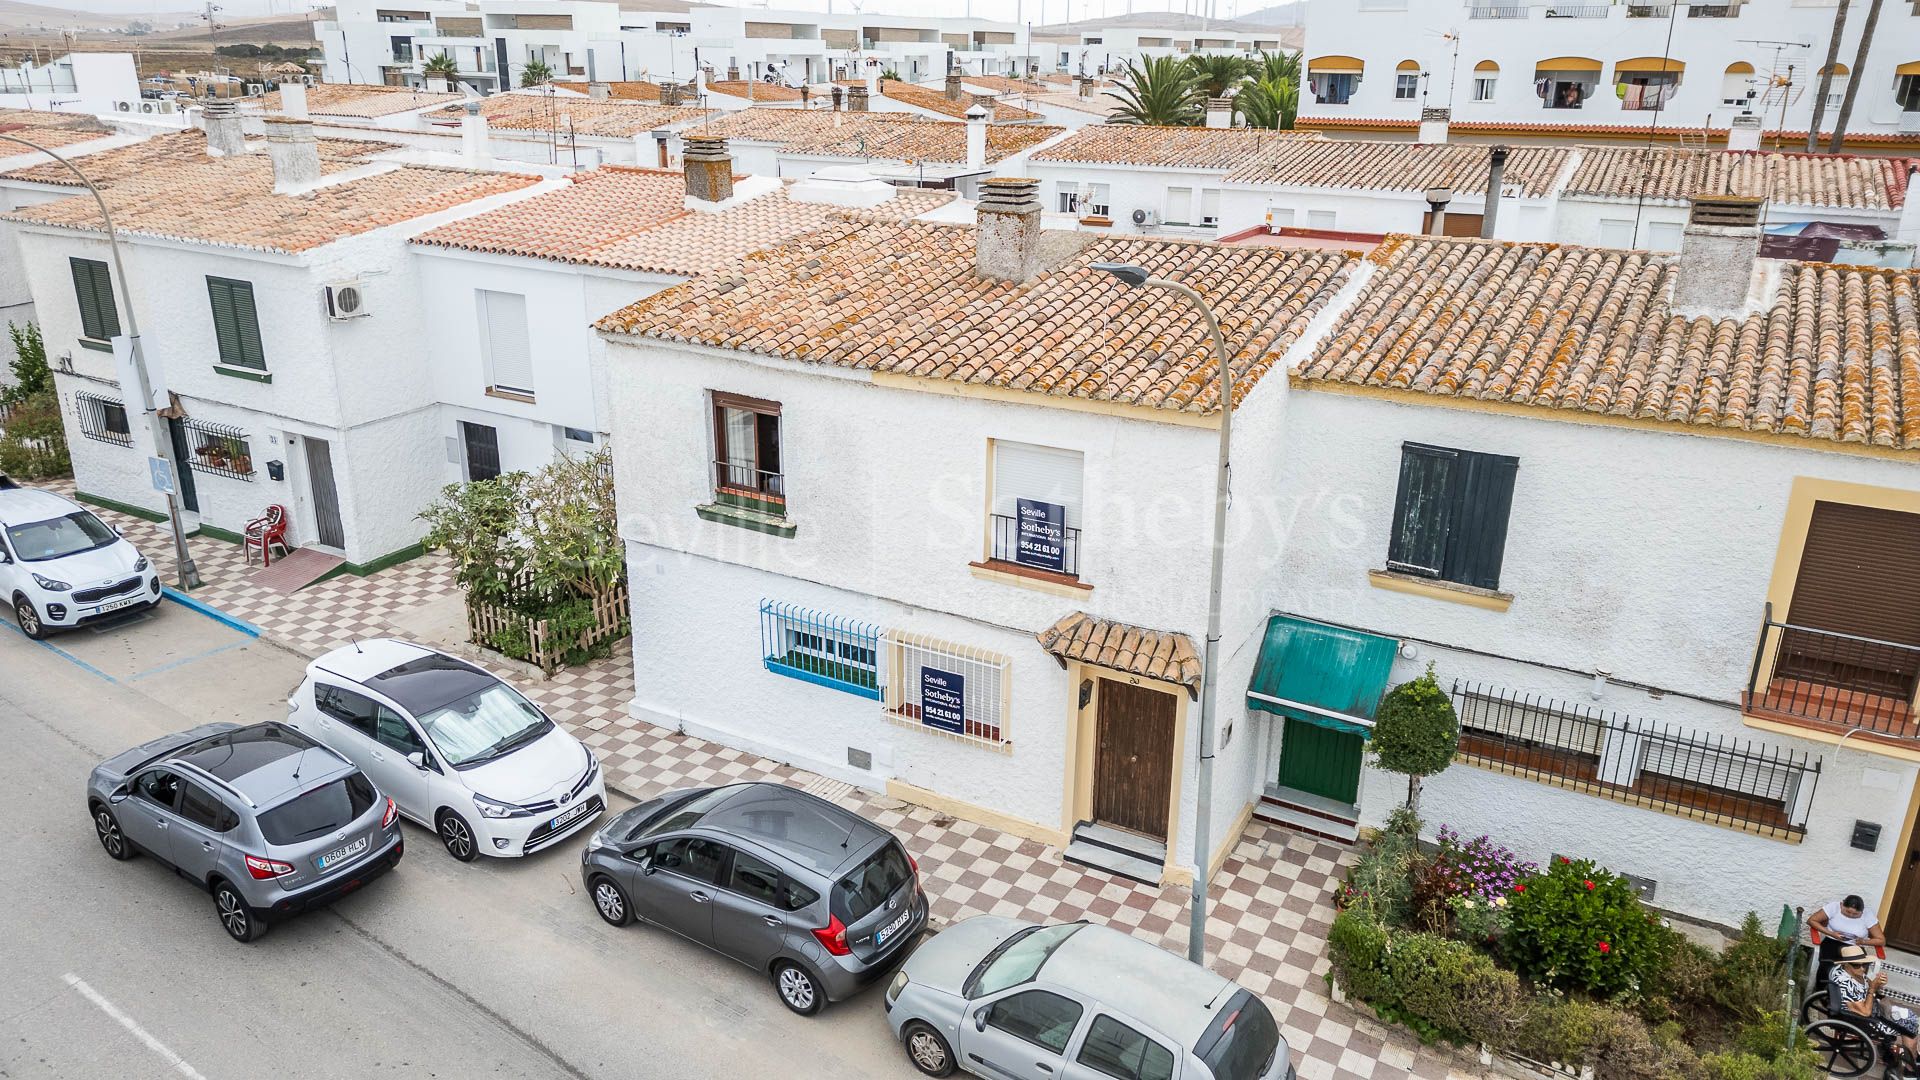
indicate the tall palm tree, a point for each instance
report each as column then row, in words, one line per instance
column 441, row 63
column 536, row 73
column 1159, row 90
column 1217, row 74
column 1268, row 103
column 1278, row 66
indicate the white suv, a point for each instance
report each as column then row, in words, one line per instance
column 60, row 566
column 458, row 750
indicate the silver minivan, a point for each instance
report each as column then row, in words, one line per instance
column 816, row 897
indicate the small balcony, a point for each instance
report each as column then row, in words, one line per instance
column 1048, row 547
column 1497, row 11
column 1840, row 684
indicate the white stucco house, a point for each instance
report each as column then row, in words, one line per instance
column 71, row 135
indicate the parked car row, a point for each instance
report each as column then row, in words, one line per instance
column 276, row 818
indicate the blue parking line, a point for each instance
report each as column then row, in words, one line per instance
column 171, row 664
column 62, row 653
column 210, row 611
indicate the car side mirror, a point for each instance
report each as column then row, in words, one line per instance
column 418, row 759
column 118, row 794
column 980, row 1019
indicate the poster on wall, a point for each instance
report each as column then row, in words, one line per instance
column 943, row 700
column 1041, row 540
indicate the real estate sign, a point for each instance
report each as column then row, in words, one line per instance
column 943, row 700
column 1041, row 537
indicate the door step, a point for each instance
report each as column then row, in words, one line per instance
column 1306, row 812
column 1125, row 854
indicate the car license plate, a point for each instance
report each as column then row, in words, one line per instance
column 571, row 815
column 116, row 605
column 341, row 854
column 893, row 927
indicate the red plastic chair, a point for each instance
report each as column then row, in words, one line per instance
column 265, row 533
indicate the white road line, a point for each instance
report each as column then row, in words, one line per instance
column 133, row 1027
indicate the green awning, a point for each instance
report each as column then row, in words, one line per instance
column 1320, row 674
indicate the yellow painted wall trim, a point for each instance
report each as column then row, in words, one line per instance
column 980, row 815
column 1906, row 844
column 1831, row 738
column 1052, row 588
column 1050, row 401
column 1577, row 416
column 1440, row 590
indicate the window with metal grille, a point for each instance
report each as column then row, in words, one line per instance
column 218, row 449
column 954, row 690
column 93, row 289
column 236, row 323
column 1735, row 783
column 1450, row 514
column 813, row 646
column 1035, row 520
column 103, row 419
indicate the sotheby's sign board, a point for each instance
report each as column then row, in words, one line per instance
column 943, row 700
column 1041, row 540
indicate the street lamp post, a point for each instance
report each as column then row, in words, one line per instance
column 1210, row 656
column 189, row 575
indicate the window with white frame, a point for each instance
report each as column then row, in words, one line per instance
column 1406, row 86
column 504, row 341
column 813, row 646
column 1321, row 219
column 1035, row 520
column 1279, row 217
column 940, row 686
column 1662, row 236
column 1096, row 200
column 1483, row 87
column 1210, row 207
column 1179, row 206
column 1616, row 233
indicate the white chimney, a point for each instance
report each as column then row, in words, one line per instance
column 873, row 83
column 1744, row 132
column 1007, row 233
column 1908, row 230
column 1719, row 257
column 224, row 137
column 1434, row 124
column 977, row 137
column 436, row 83
column 599, row 91
column 293, row 99
column 1219, row 112
column 295, row 154
column 473, row 137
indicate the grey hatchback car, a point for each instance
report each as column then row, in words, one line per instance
column 817, row 898
column 264, row 818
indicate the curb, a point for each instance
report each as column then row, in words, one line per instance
column 209, row 611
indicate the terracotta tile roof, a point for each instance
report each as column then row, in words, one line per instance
column 1101, row 104
column 363, row 101
column 904, row 298
column 635, row 90
column 230, row 203
column 1000, row 84
column 921, row 97
column 1838, row 180
column 1166, row 147
column 886, row 136
column 636, row 219
column 1637, row 132
column 1398, row 166
column 754, row 91
column 171, row 150
column 1155, row 654
column 1835, row 356
column 52, row 130
column 545, row 112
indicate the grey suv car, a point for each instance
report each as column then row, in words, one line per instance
column 819, row 899
column 264, row 818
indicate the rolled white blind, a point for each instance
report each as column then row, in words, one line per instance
column 509, row 356
column 1041, row 473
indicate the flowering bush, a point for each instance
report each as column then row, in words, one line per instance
column 1579, row 927
column 1477, row 869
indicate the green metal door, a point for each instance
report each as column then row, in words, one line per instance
column 1321, row 761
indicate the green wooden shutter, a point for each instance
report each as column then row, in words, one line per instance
column 236, row 323
column 1484, row 502
column 1423, row 510
column 247, row 319
column 93, row 288
column 225, row 333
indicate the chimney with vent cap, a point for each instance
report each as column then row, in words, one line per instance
column 1719, row 254
column 295, row 154
column 1744, row 132
column 473, row 136
column 1219, row 112
column 1007, row 236
column 977, row 137
column 1434, row 124
column 293, row 99
column 222, row 121
column 857, row 99
column 954, row 91
column 709, row 170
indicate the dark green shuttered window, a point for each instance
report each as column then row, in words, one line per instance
column 93, row 287
column 1450, row 516
column 236, row 325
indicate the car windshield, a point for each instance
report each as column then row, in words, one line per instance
column 1247, row 1043
column 868, row 886
column 57, row 538
column 681, row 813
column 310, row 815
column 484, row 725
column 1017, row 959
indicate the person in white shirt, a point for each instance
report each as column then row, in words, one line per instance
column 1847, row 921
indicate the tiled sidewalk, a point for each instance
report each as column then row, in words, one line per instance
column 1267, row 927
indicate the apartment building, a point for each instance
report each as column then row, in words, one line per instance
column 1115, row 48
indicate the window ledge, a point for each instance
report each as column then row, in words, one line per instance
column 1450, row 591
column 510, row 395
column 249, row 374
column 1026, row 577
column 96, row 344
column 742, row 518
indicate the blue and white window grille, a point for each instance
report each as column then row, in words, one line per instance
column 801, row 643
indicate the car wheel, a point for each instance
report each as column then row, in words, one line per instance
column 798, row 988
column 235, row 917
column 611, row 902
column 926, row 1049
column 29, row 619
column 105, row 827
column 457, row 835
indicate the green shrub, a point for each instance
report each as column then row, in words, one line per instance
column 1357, row 950
column 1415, row 732
column 1617, row 1044
column 1749, row 982
column 1578, row 927
column 34, row 446
column 1380, row 885
column 1745, row 1065
column 1679, row 984
column 1451, row 990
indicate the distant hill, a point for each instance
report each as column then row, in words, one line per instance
column 16, row 15
column 1293, row 14
column 1288, row 34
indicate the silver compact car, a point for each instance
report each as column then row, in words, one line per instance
column 817, row 898
column 1075, row 1001
column 264, row 818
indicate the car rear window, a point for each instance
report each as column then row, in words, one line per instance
column 1244, row 1040
column 870, row 883
column 331, row 807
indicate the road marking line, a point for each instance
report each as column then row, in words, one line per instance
column 171, row 664
column 62, row 653
column 133, row 1027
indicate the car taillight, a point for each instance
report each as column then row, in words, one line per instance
column 266, row 869
column 833, row 936
column 913, row 862
column 392, row 812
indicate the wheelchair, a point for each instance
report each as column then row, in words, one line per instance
column 1842, row 1044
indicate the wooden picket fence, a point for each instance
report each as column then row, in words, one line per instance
column 485, row 623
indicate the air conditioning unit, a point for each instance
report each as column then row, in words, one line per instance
column 1146, row 217
column 255, row 89
column 306, row 80
column 149, row 107
column 123, row 106
column 166, row 108
column 346, row 300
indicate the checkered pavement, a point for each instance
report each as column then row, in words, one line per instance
column 1271, row 906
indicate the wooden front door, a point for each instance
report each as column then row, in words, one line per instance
column 1321, row 761
column 1133, row 758
column 1859, row 582
column 1902, row 917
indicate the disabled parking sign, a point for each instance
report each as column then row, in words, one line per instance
column 162, row 475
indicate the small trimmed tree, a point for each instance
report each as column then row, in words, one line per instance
column 1415, row 732
column 536, row 73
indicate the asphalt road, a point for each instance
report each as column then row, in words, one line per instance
column 438, row 970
